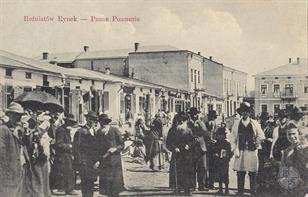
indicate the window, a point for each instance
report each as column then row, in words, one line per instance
column 198, row 76
column 192, row 75
column 219, row 109
column 9, row 95
column 28, row 75
column 8, row 72
column 289, row 90
column 263, row 90
column 195, row 75
column 276, row 90
column 306, row 89
column 276, row 108
column 263, row 107
column 45, row 80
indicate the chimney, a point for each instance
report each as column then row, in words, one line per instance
column 210, row 57
column 45, row 56
column 290, row 60
column 107, row 70
column 85, row 48
column 297, row 60
column 199, row 53
column 136, row 46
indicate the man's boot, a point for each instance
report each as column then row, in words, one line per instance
column 253, row 182
column 240, row 182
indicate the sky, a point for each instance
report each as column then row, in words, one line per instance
column 249, row 35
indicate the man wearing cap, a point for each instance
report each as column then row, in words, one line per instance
column 13, row 155
column 111, row 144
column 63, row 156
column 85, row 150
column 199, row 148
column 246, row 138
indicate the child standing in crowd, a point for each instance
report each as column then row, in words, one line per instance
column 221, row 157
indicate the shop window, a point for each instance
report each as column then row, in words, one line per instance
column 105, row 102
column 9, row 94
column 276, row 108
column 27, row 89
column 142, row 105
column 263, row 107
column 28, row 75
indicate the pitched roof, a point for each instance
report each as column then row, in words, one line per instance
column 288, row 69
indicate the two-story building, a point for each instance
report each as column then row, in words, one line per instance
column 282, row 87
column 227, row 83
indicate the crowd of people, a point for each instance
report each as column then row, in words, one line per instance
column 42, row 152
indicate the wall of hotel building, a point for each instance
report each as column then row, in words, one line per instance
column 212, row 77
column 272, row 103
column 117, row 66
column 299, row 83
column 195, row 71
column 164, row 68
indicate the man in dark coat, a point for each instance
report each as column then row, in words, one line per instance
column 64, row 156
column 86, row 153
column 199, row 148
column 179, row 141
column 111, row 144
column 13, row 155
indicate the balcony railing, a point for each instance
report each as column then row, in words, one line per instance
column 288, row 96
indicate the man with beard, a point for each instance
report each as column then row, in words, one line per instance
column 246, row 138
column 199, row 147
column 179, row 141
column 64, row 157
column 13, row 155
column 86, row 153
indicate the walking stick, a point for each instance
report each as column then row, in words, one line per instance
column 176, row 175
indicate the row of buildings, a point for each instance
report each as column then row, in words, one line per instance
column 137, row 80
column 147, row 79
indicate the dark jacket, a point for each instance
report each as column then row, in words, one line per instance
column 181, row 165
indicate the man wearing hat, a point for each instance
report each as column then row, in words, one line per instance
column 110, row 145
column 199, row 147
column 63, row 156
column 246, row 138
column 13, row 155
column 85, row 150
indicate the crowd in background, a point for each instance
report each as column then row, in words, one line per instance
column 42, row 152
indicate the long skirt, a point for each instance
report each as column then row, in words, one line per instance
column 247, row 161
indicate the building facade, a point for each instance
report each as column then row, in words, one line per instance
column 282, row 87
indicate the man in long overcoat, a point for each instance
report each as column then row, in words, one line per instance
column 179, row 141
column 246, row 138
column 64, row 156
column 110, row 141
column 86, row 153
column 13, row 155
column 200, row 133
